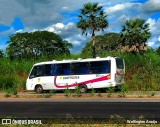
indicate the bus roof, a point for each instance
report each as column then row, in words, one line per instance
column 78, row 60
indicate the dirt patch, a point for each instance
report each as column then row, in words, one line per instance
column 82, row 96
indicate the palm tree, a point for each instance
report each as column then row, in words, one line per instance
column 135, row 34
column 92, row 19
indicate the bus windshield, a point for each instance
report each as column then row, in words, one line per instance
column 41, row 70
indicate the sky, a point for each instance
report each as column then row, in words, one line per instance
column 60, row 16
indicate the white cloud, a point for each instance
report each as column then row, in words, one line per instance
column 65, row 8
column 152, row 6
column 159, row 38
column 154, row 26
column 70, row 25
column 118, row 7
column 155, row 32
column 74, row 42
column 19, row 31
column 56, row 28
column 59, row 26
column 151, row 43
column 151, row 23
column 70, row 33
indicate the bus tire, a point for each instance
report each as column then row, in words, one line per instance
column 83, row 88
column 38, row 89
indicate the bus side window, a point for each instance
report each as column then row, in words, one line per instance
column 62, row 69
column 48, row 71
column 40, row 71
column 80, row 68
column 67, row 70
column 55, row 67
column 52, row 70
column 94, row 67
column 100, row 67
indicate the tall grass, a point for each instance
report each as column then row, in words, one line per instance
column 10, row 83
column 13, row 74
column 142, row 70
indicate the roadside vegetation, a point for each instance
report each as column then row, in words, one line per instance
column 113, row 121
column 142, row 71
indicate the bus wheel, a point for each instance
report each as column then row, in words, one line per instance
column 83, row 88
column 38, row 89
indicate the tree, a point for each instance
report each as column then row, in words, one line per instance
column 1, row 53
column 158, row 51
column 135, row 34
column 37, row 44
column 107, row 42
column 92, row 19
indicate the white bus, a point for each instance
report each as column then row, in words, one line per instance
column 83, row 73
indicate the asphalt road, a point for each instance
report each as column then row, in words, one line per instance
column 79, row 109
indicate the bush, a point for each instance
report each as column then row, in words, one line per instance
column 77, row 91
column 67, row 92
column 11, row 91
column 92, row 92
column 6, row 67
column 9, row 81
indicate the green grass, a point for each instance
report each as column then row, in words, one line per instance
column 113, row 121
column 67, row 92
column 92, row 92
column 77, row 92
column 142, row 70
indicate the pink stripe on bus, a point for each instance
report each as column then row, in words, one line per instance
column 107, row 77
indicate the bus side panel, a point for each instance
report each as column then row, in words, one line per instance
column 113, row 72
column 30, row 85
column 101, row 84
column 47, row 82
column 92, row 81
